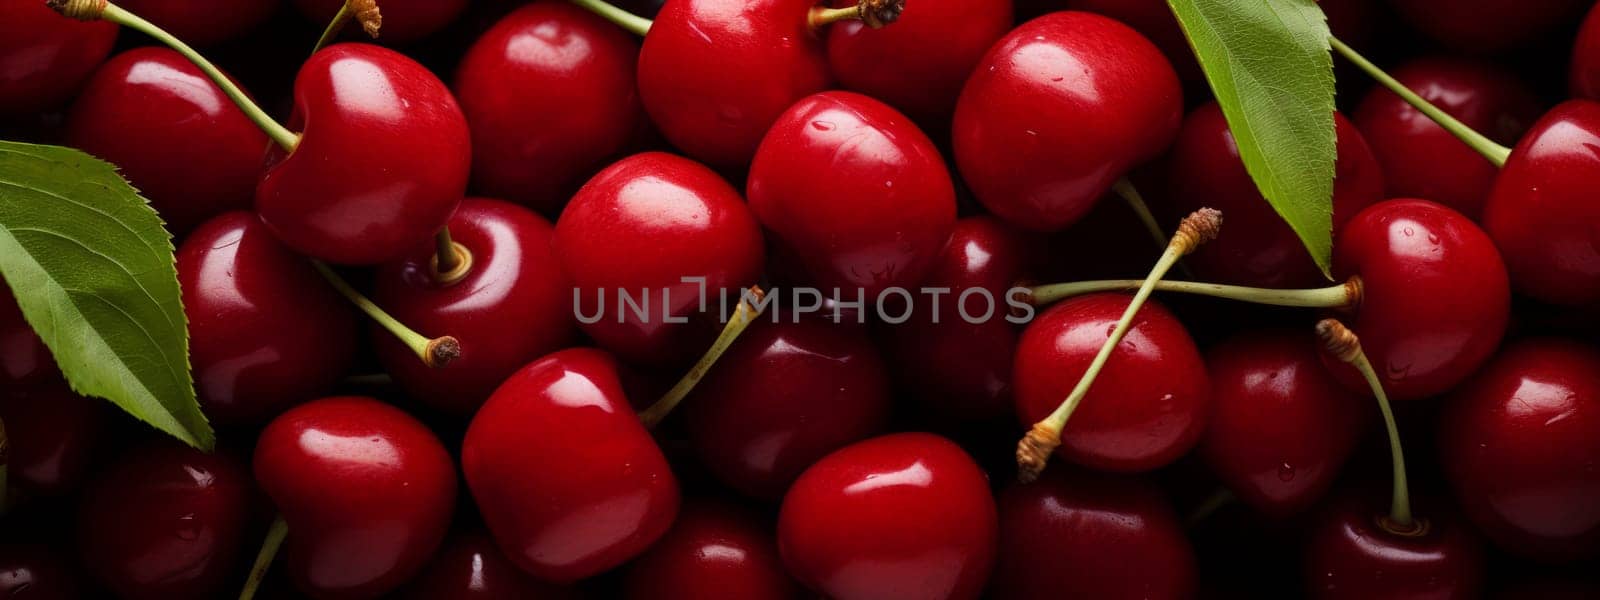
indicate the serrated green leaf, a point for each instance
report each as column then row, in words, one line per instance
column 93, row 270
column 1269, row 65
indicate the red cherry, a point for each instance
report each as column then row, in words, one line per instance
column 1541, row 213
column 403, row 20
column 31, row 572
column 786, row 395
column 202, row 23
column 1487, row 26
column 1409, row 254
column 265, row 331
column 715, row 550
column 366, row 490
column 382, row 161
column 1148, row 405
column 1058, row 110
column 50, row 432
column 512, row 307
column 470, row 567
column 609, row 496
column 1281, row 426
column 549, row 93
column 1351, row 553
column 45, row 57
column 1519, row 442
column 1078, row 534
column 166, row 521
column 903, row 516
column 854, row 193
column 642, row 226
column 23, row 356
column 1585, row 79
column 1421, row 159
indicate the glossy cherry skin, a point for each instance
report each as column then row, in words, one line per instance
column 201, row 23
column 23, row 356
column 1058, row 110
column 919, row 63
column 45, row 57
column 30, row 572
column 1518, row 443
column 266, row 331
column 1256, row 248
column 786, row 395
column 403, row 20
column 50, row 433
column 714, row 551
column 381, row 163
column 166, row 521
column 854, row 193
column 1585, row 77
column 902, row 516
column 1411, row 255
column 1079, row 534
column 715, row 74
column 1541, row 213
column 642, row 226
column 1349, row 554
column 512, row 307
column 470, row 567
column 609, row 496
column 366, row 490
column 1487, row 26
column 550, row 95
column 1421, row 159
column 1150, row 402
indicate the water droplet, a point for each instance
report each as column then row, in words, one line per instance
column 1057, row 79
column 1286, row 472
column 1433, row 238
column 187, row 529
column 1110, row 329
column 1408, row 232
column 822, row 125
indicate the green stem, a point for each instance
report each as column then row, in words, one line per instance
column 1490, row 149
column 621, row 18
column 743, row 316
column 435, row 352
column 1135, row 201
column 340, row 19
column 1342, row 343
column 269, row 550
column 1344, row 295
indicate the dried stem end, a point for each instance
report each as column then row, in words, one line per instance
column 367, row 14
column 877, row 13
column 1034, row 451
column 82, row 10
column 441, row 351
column 1339, row 341
column 1199, row 227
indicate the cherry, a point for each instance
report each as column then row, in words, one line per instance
column 50, row 432
column 1518, row 443
column 608, row 497
column 1350, row 553
column 1058, row 110
column 203, row 23
column 403, row 20
column 1079, row 534
column 647, row 227
column 1421, row 159
column 1585, row 78
column 45, row 58
column 23, row 356
column 470, row 567
column 714, row 550
column 509, row 305
column 33, row 572
column 365, row 490
column 853, row 192
column 549, row 92
column 166, row 521
column 790, row 392
column 900, row 516
column 265, row 332
column 1487, row 26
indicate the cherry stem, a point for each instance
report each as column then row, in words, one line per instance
column 1490, row 149
column 1035, row 448
column 743, row 316
column 621, row 18
column 434, row 352
column 340, row 19
column 451, row 261
column 1345, row 296
column 1130, row 195
column 269, row 551
column 874, row 13
column 365, row 11
column 1344, row 345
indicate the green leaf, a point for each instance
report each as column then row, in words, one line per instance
column 1268, row 62
column 93, row 270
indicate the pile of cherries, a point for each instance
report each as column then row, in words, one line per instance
column 415, row 320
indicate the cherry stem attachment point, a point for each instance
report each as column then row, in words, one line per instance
column 364, row 11
column 1490, row 149
column 451, row 262
column 1345, row 296
column 269, row 551
column 743, row 315
column 1034, row 450
column 1131, row 196
column 621, row 18
column 434, row 352
column 1343, row 344
column 873, row 13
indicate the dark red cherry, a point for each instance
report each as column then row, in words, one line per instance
column 714, row 551
column 166, row 521
column 1519, row 442
column 919, row 64
column 1585, row 77
column 783, row 397
column 715, row 74
column 1541, row 213
column 1421, row 159
column 514, row 305
column 23, row 356
column 1058, row 110
column 608, row 496
column 854, row 193
column 1351, row 553
column 366, row 490
column 470, row 567
column 1079, row 534
column 1411, row 254
column 50, row 433
column 1281, row 426
column 549, row 92
column 202, row 23
column 33, row 572
column 1149, row 404
column 1487, row 26
column 266, row 332
column 899, row 517
column 403, row 20
column 382, row 160
column 648, row 227
column 45, row 57
column 1257, row 248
